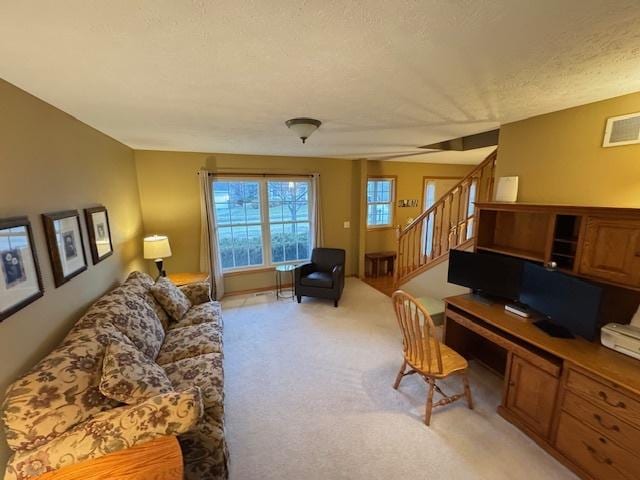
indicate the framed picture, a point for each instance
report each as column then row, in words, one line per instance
column 20, row 280
column 99, row 233
column 66, row 245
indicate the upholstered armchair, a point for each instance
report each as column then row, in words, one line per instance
column 323, row 277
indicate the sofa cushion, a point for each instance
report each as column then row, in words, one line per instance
column 204, row 371
column 209, row 312
column 140, row 278
column 197, row 293
column 172, row 413
column 174, row 302
column 130, row 314
column 188, row 342
column 204, row 450
column 318, row 279
column 59, row 392
column 141, row 283
column 128, row 375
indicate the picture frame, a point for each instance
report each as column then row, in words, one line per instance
column 99, row 233
column 63, row 231
column 20, row 276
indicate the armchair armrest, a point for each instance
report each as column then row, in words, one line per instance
column 107, row 432
column 338, row 276
column 197, row 293
column 302, row 270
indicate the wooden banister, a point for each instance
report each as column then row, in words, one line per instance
column 447, row 224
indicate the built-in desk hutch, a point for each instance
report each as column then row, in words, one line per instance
column 577, row 399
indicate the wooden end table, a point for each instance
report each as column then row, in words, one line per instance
column 375, row 259
column 187, row 278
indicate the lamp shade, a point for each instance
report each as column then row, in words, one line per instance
column 157, row 246
column 303, row 127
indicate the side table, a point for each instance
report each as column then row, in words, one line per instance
column 187, row 278
column 374, row 259
column 281, row 290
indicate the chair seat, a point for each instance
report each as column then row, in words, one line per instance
column 318, row 279
column 452, row 362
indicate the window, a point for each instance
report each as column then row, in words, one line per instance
column 429, row 200
column 262, row 222
column 380, row 193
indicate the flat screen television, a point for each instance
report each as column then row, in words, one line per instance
column 566, row 302
column 486, row 274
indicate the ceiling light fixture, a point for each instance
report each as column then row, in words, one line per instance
column 303, row 127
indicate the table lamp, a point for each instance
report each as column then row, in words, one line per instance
column 156, row 247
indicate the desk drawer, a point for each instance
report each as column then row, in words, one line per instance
column 620, row 432
column 610, row 400
column 595, row 453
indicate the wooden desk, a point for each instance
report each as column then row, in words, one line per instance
column 187, row 278
column 578, row 400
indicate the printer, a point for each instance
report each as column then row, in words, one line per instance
column 622, row 338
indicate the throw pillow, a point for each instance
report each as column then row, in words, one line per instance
column 128, row 375
column 174, row 302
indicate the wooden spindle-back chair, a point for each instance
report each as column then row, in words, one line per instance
column 425, row 355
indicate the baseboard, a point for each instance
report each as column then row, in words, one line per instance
column 255, row 290
column 266, row 289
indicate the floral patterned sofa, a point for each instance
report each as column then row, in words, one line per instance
column 57, row 414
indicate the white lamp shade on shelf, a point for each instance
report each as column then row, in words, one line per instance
column 156, row 246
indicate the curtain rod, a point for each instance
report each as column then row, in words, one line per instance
column 241, row 174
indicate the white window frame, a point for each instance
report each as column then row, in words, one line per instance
column 263, row 184
column 391, row 202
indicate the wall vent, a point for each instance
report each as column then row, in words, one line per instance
column 622, row 130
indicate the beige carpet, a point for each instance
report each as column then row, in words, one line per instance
column 308, row 396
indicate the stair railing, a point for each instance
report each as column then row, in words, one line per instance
column 449, row 223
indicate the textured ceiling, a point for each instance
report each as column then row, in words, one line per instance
column 383, row 76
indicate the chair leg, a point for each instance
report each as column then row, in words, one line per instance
column 335, row 303
column 299, row 299
column 467, row 390
column 429, row 407
column 396, row 384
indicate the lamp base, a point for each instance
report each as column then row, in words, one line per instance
column 161, row 272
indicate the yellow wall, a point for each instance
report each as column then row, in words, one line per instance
column 50, row 161
column 170, row 202
column 409, row 184
column 559, row 157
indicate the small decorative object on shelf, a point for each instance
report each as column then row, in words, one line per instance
column 407, row 203
column 99, row 233
column 66, row 245
column 20, row 280
column 157, row 248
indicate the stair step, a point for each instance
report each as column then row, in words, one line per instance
column 435, row 307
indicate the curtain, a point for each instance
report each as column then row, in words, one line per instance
column 318, row 231
column 209, row 253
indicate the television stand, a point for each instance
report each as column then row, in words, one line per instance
column 480, row 297
column 553, row 388
column 552, row 329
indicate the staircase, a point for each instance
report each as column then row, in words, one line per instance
column 448, row 224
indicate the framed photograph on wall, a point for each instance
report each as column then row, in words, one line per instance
column 99, row 233
column 66, row 245
column 20, row 280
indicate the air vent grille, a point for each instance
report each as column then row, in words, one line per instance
column 622, row 130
